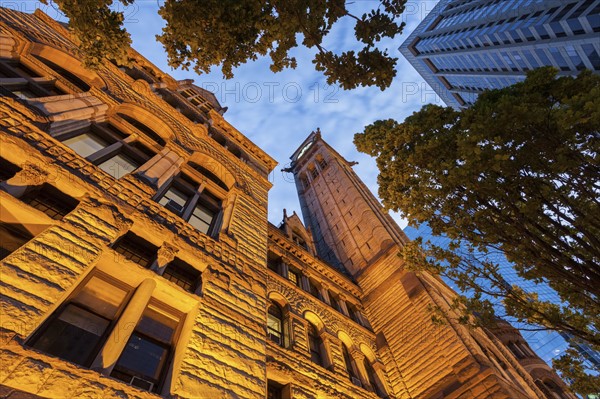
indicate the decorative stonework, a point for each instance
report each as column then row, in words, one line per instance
column 221, row 348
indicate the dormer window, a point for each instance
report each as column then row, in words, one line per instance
column 300, row 241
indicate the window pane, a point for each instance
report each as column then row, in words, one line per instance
column 73, row 335
column 158, row 325
column 118, row 166
column 24, row 94
column 182, row 274
column 142, row 358
column 136, row 249
column 174, row 200
column 202, row 218
column 101, row 296
column 274, row 325
column 293, row 277
column 86, row 144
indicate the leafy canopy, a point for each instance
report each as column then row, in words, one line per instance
column 203, row 34
column 515, row 175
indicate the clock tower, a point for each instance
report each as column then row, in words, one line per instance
column 352, row 232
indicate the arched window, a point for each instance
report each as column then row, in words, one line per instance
column 349, row 367
column 373, row 380
column 553, row 389
column 275, row 324
column 315, row 345
column 321, row 161
column 143, row 128
column 71, row 77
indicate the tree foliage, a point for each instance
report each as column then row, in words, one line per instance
column 515, row 175
column 203, row 34
column 98, row 28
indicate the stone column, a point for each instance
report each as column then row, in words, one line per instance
column 298, row 334
column 343, row 306
column 118, row 338
column 186, row 333
column 324, row 292
column 284, row 268
column 329, row 341
column 304, row 284
column 358, row 357
column 380, row 375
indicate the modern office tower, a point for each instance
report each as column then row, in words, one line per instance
column 463, row 47
column 136, row 259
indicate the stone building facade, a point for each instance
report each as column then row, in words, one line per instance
column 137, row 260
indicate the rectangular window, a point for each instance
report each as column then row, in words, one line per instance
column 144, row 360
column 75, row 332
column 294, row 276
column 182, row 274
column 592, row 55
column 313, row 289
column 136, row 249
column 202, row 217
column 86, row 144
column 274, row 262
column 79, row 329
column 274, row 390
column 194, row 203
column 51, row 201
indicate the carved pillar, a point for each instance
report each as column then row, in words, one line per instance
column 298, row 334
column 329, row 341
column 283, row 267
column 161, row 168
column 29, row 176
column 228, row 206
column 358, row 357
column 118, row 338
column 380, row 375
column 343, row 306
column 166, row 254
column 304, row 284
column 324, row 292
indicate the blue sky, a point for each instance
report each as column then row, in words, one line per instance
column 278, row 111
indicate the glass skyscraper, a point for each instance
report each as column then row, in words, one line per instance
column 463, row 47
